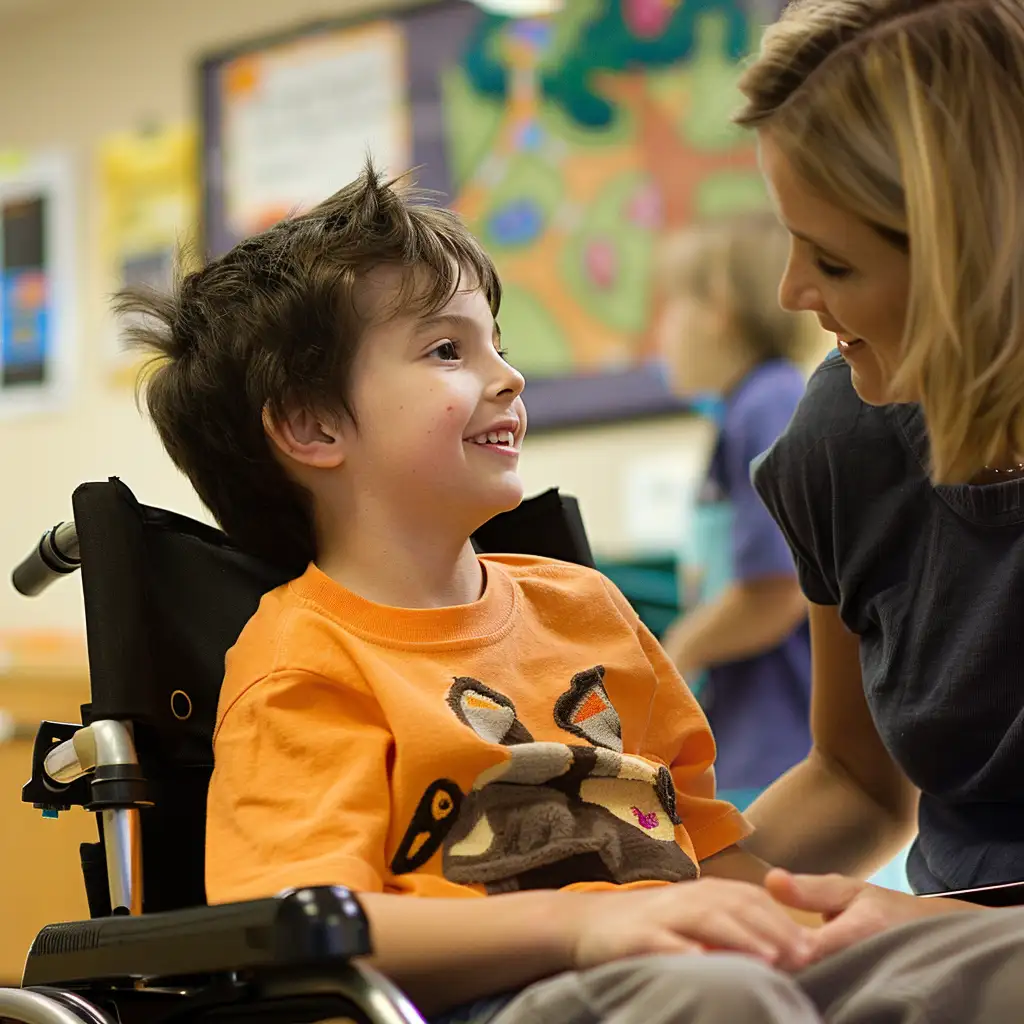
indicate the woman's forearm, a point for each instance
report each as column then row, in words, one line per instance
column 815, row 819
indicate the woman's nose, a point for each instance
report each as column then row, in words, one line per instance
column 798, row 295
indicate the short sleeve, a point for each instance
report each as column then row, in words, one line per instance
column 679, row 735
column 760, row 416
column 299, row 794
column 794, row 480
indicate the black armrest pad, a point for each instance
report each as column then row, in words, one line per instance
column 303, row 927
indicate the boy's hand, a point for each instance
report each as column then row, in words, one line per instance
column 689, row 917
column 853, row 910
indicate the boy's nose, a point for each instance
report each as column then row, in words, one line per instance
column 509, row 380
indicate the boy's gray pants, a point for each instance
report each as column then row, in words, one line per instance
column 963, row 968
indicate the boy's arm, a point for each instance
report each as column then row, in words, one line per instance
column 299, row 794
column 300, row 797
column 445, row 952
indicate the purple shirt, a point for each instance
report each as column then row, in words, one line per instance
column 759, row 708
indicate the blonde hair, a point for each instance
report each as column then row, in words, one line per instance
column 910, row 115
column 737, row 261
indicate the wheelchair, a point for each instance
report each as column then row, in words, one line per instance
column 165, row 597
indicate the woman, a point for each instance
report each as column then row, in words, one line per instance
column 891, row 135
column 729, row 346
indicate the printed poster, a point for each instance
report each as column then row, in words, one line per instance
column 37, row 252
column 149, row 189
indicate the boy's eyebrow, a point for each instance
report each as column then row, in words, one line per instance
column 456, row 320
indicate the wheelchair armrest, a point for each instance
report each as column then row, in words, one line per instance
column 304, row 927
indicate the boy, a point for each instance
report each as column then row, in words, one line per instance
column 406, row 718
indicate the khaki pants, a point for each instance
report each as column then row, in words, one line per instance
column 959, row 969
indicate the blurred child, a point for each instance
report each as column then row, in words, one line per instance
column 743, row 639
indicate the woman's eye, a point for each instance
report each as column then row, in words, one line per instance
column 447, row 351
column 831, row 269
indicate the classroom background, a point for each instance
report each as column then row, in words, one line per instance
column 572, row 137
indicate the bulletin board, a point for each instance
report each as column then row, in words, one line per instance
column 570, row 144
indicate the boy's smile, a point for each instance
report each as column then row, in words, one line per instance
column 503, row 437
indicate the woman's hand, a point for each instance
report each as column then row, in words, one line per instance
column 853, row 910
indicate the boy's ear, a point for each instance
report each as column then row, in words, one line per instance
column 305, row 437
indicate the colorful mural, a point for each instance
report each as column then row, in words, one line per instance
column 574, row 142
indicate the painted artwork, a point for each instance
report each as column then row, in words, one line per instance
column 571, row 144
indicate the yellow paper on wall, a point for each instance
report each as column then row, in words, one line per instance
column 149, row 195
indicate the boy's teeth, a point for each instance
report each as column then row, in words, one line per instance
column 496, row 437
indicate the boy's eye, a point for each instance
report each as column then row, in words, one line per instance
column 447, row 351
column 831, row 269
column 503, row 352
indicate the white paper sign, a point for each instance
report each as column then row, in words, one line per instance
column 659, row 492
column 300, row 119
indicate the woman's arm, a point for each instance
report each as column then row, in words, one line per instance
column 847, row 808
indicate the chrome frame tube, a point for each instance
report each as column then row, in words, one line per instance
column 374, row 994
column 26, row 1007
column 104, row 744
column 122, row 844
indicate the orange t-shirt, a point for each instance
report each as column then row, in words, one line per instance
column 537, row 738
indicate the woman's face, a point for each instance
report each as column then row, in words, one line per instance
column 843, row 271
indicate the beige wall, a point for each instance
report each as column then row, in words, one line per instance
column 72, row 72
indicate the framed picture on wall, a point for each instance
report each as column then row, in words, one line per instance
column 38, row 327
column 571, row 145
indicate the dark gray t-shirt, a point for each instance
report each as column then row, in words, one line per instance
column 932, row 579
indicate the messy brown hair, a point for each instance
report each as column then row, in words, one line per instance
column 275, row 325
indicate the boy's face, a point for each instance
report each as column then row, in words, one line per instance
column 439, row 412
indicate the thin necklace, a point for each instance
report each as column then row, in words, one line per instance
column 996, row 475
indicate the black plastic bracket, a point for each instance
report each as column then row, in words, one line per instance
column 41, row 791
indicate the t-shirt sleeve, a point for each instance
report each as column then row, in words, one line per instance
column 678, row 734
column 794, row 480
column 759, row 549
column 299, row 793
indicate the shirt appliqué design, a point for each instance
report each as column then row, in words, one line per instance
column 551, row 813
